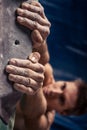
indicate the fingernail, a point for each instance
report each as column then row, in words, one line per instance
column 34, row 57
column 20, row 19
column 8, row 68
column 12, row 61
column 24, row 4
column 19, row 10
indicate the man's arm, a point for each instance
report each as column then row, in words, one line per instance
column 32, row 16
column 43, row 122
column 27, row 75
column 40, row 30
column 27, row 78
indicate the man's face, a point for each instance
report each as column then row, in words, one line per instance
column 61, row 96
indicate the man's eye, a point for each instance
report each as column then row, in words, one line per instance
column 61, row 99
column 63, row 86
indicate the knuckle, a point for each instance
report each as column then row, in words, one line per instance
column 41, row 78
column 25, row 12
column 42, row 9
column 40, row 84
column 23, row 4
column 35, row 25
column 28, row 64
column 49, row 24
column 28, row 81
column 26, row 72
column 47, row 32
column 41, row 67
column 35, row 16
column 25, row 20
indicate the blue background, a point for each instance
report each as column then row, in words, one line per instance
column 68, row 49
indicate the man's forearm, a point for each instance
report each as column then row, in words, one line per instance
column 33, row 106
column 43, row 50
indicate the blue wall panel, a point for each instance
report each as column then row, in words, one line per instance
column 68, row 49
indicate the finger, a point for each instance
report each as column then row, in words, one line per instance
column 41, row 10
column 28, row 82
column 23, row 89
column 34, row 57
column 36, row 38
column 36, row 3
column 26, row 64
column 25, row 72
column 44, row 30
column 34, row 7
column 50, row 116
column 33, row 16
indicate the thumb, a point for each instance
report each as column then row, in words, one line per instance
column 36, row 38
column 34, row 57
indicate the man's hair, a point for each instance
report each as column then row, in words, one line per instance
column 81, row 103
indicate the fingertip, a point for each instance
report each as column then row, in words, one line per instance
column 25, row 4
column 34, row 57
column 10, row 76
column 12, row 61
column 19, row 19
column 9, row 68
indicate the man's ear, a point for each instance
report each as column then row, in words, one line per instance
column 64, row 113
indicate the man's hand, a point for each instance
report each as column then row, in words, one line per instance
column 27, row 75
column 32, row 16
